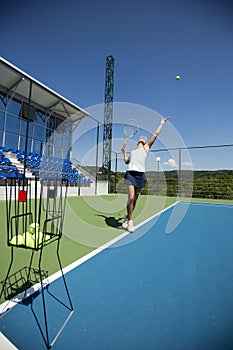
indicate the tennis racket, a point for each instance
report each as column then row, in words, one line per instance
column 130, row 129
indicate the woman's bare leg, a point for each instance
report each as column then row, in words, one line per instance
column 130, row 203
column 133, row 193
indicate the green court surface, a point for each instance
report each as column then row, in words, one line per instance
column 89, row 223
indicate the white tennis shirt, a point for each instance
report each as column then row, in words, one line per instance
column 137, row 159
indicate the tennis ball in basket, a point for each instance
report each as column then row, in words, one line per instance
column 47, row 238
column 34, row 227
column 41, row 238
column 17, row 240
column 28, row 240
column 178, row 77
column 38, row 237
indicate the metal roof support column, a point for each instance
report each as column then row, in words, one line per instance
column 116, row 171
column 97, row 156
column 8, row 101
column 27, row 129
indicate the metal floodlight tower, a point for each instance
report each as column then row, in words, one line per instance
column 108, row 114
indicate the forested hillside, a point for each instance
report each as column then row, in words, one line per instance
column 199, row 184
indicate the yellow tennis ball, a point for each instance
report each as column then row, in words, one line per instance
column 40, row 238
column 47, row 238
column 33, row 227
column 17, row 240
column 28, row 240
column 178, row 77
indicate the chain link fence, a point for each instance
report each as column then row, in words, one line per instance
column 208, row 175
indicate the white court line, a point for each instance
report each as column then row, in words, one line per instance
column 5, row 344
column 205, row 204
column 154, row 216
column 8, row 305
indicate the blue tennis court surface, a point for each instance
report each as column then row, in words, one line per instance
column 162, row 291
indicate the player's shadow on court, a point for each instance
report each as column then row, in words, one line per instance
column 111, row 221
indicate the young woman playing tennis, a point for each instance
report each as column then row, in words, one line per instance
column 135, row 174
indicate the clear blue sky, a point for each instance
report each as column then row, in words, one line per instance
column 64, row 44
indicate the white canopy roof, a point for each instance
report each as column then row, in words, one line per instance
column 13, row 79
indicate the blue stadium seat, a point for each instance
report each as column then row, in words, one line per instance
column 4, row 167
column 34, row 171
column 11, row 175
column 19, row 156
column 14, row 168
column 5, row 160
column 2, row 175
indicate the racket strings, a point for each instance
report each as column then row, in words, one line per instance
column 131, row 127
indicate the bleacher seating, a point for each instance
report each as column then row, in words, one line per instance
column 12, row 164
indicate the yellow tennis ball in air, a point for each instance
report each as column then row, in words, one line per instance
column 177, row 77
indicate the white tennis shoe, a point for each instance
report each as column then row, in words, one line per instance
column 125, row 223
column 130, row 226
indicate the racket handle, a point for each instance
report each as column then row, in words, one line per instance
column 124, row 145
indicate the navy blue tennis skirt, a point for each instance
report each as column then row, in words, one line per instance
column 135, row 178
